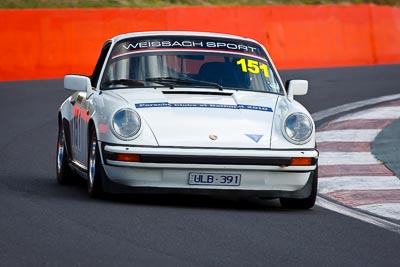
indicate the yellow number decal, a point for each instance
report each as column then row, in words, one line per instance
column 253, row 66
column 263, row 67
column 242, row 62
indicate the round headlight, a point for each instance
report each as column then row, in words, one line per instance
column 298, row 128
column 126, row 124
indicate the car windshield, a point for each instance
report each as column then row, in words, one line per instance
column 201, row 68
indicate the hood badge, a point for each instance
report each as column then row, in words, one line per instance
column 213, row 137
column 255, row 137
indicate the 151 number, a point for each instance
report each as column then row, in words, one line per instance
column 253, row 66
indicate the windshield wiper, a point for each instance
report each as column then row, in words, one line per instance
column 170, row 81
column 207, row 83
column 126, row 82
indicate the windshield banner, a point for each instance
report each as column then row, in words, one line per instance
column 187, row 43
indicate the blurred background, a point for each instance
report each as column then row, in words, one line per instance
column 49, row 38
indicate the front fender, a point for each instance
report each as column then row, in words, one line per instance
column 104, row 106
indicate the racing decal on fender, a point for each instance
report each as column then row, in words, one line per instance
column 255, row 137
column 195, row 105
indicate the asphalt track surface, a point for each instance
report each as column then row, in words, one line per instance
column 43, row 223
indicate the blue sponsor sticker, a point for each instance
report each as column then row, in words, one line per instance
column 152, row 105
column 260, row 108
column 255, row 137
column 195, row 105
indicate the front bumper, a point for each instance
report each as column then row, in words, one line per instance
column 264, row 173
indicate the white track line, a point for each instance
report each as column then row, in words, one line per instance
column 373, row 113
column 317, row 116
column 387, row 210
column 347, row 135
column 388, row 225
column 347, row 158
column 346, row 183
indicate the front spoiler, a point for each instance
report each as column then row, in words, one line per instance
column 123, row 181
column 304, row 192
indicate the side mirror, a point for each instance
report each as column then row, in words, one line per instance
column 297, row 87
column 77, row 83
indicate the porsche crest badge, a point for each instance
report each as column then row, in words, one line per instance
column 213, row 137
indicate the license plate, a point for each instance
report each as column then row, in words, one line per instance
column 227, row 179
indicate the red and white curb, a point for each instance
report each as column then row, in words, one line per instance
column 348, row 172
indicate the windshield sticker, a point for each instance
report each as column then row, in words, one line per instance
column 174, row 43
column 255, row 137
column 253, row 66
column 194, row 105
column 192, row 44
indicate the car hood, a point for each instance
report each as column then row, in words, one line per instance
column 205, row 118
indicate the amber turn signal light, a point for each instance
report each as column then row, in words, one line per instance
column 301, row 162
column 128, row 157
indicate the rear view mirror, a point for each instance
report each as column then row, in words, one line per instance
column 77, row 83
column 297, row 87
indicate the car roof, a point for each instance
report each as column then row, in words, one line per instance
column 179, row 33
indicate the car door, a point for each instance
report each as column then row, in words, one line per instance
column 77, row 126
column 81, row 104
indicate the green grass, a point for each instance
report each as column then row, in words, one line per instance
column 166, row 3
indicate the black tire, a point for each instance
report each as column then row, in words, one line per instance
column 65, row 175
column 95, row 171
column 305, row 203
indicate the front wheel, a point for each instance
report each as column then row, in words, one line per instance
column 94, row 175
column 304, row 203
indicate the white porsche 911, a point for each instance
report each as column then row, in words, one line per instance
column 188, row 112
